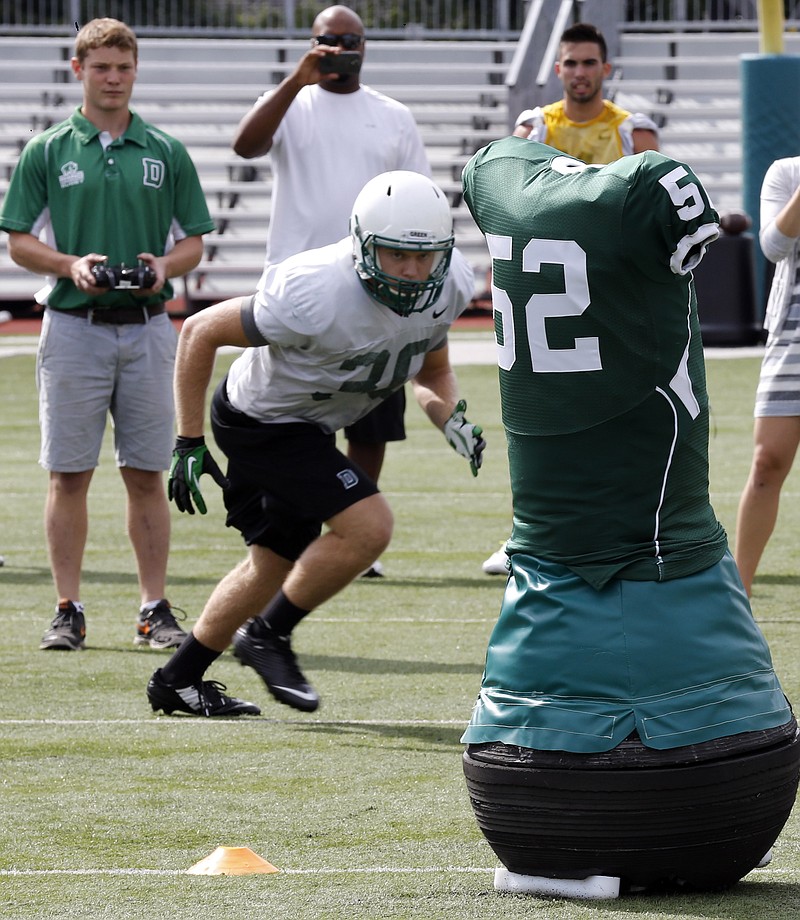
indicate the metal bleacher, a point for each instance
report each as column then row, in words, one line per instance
column 197, row 90
column 690, row 83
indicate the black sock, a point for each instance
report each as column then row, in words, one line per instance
column 188, row 663
column 281, row 615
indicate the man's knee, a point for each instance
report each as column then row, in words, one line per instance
column 68, row 485
column 770, row 465
column 142, row 484
column 368, row 523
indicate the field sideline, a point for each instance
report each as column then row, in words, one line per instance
column 362, row 805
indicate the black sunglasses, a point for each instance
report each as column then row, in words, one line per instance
column 348, row 40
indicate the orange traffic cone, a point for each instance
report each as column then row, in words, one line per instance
column 232, row 861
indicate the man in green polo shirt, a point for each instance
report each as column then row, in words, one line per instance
column 103, row 188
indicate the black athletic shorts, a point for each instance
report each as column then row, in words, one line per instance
column 286, row 479
column 384, row 423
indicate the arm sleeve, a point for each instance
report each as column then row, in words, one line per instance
column 26, row 197
column 777, row 188
column 640, row 121
column 686, row 220
column 529, row 117
column 251, row 330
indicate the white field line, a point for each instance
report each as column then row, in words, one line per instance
column 365, row 870
column 760, row 874
column 465, row 348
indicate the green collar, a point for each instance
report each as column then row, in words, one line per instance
column 86, row 132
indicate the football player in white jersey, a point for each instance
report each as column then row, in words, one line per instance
column 328, row 333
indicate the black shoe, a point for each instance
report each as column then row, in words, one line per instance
column 376, row 570
column 272, row 658
column 68, row 629
column 158, row 628
column 202, row 699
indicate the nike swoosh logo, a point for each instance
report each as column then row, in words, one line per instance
column 300, row 693
column 190, row 467
column 436, row 315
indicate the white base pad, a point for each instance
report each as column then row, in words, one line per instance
column 593, row 888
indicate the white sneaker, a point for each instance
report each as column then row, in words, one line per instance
column 376, row 570
column 497, row 563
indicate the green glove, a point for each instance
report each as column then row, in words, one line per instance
column 464, row 437
column 190, row 459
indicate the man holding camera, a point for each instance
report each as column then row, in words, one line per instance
column 108, row 207
column 328, row 135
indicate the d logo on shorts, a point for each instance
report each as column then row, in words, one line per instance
column 348, row 478
column 153, row 172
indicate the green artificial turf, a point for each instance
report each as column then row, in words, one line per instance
column 361, row 805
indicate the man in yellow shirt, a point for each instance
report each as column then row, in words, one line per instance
column 583, row 124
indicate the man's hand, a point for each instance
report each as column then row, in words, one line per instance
column 159, row 266
column 190, row 459
column 464, row 437
column 82, row 277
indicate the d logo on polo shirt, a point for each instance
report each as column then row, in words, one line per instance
column 153, row 172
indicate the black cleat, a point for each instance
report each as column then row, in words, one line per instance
column 272, row 658
column 202, row 699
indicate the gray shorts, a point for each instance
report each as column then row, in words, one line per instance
column 85, row 371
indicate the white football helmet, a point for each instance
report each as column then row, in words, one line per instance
column 402, row 210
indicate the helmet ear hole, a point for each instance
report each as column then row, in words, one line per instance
column 407, row 211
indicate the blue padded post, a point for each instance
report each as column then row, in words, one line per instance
column 770, row 130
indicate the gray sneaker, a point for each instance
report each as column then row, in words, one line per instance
column 158, row 628
column 68, row 629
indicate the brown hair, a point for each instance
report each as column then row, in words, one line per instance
column 105, row 33
column 586, row 32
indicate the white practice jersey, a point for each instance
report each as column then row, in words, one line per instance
column 334, row 352
column 326, row 148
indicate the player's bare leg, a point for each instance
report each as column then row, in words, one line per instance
column 355, row 538
column 776, row 441
column 148, row 529
column 66, row 525
column 243, row 593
